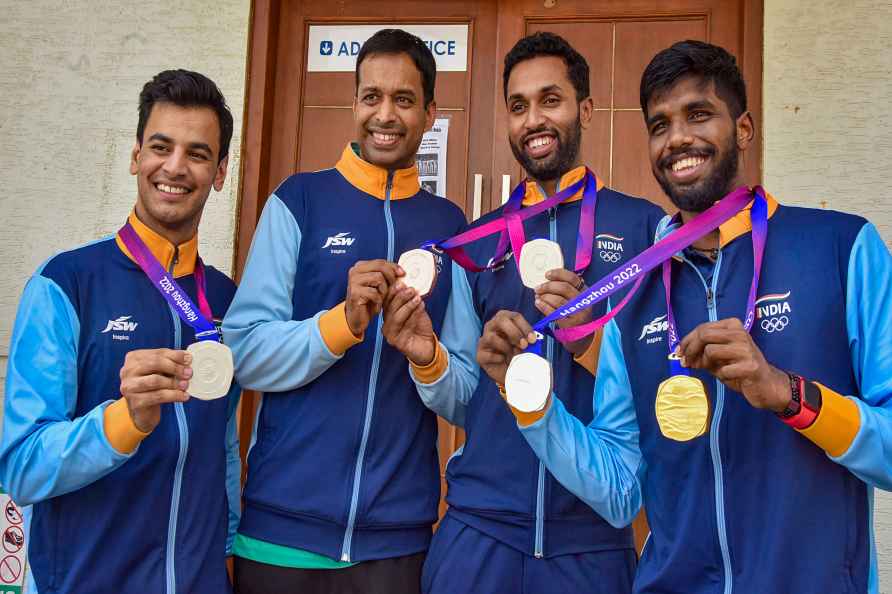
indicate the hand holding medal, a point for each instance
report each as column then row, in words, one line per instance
column 150, row 378
column 211, row 360
column 726, row 350
column 680, row 420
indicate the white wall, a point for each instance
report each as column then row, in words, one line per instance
column 70, row 76
column 828, row 127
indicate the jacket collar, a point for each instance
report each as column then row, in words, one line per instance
column 372, row 179
column 534, row 193
column 162, row 249
column 739, row 224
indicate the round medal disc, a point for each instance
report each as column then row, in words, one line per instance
column 528, row 382
column 538, row 257
column 682, row 408
column 211, row 370
column 421, row 270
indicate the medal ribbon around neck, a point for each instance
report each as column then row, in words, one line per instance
column 200, row 318
column 514, row 215
column 759, row 222
column 637, row 268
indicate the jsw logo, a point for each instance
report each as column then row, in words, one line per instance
column 659, row 324
column 121, row 325
column 339, row 240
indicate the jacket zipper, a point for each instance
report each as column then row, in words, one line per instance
column 540, row 487
column 714, row 450
column 170, row 561
column 373, row 381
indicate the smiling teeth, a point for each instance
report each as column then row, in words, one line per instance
column 171, row 189
column 541, row 141
column 384, row 137
column 687, row 163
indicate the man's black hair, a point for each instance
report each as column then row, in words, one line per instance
column 397, row 41
column 549, row 44
column 184, row 88
column 708, row 62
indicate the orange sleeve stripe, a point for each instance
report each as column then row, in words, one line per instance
column 428, row 374
column 525, row 419
column 589, row 359
column 335, row 331
column 119, row 429
column 838, row 422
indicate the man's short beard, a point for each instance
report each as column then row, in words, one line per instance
column 560, row 163
column 706, row 192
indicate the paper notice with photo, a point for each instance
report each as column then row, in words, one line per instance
column 431, row 158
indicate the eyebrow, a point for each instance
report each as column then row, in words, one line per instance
column 698, row 104
column 203, row 146
column 373, row 88
column 542, row 91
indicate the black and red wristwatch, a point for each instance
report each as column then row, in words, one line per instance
column 805, row 404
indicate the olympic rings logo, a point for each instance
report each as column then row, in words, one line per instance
column 772, row 325
column 612, row 257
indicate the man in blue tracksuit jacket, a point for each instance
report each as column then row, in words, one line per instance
column 510, row 526
column 343, row 482
column 132, row 486
column 777, row 495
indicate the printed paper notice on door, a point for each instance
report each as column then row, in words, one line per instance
column 333, row 48
column 14, row 548
column 431, row 158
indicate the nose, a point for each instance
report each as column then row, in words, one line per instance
column 678, row 136
column 175, row 163
column 386, row 111
column 535, row 118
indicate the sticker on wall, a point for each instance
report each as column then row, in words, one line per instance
column 333, row 48
column 14, row 553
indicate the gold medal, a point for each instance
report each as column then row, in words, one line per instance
column 682, row 408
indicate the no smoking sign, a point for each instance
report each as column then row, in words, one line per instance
column 13, row 541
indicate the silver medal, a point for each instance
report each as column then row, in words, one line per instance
column 536, row 258
column 211, row 370
column 421, row 270
column 528, row 382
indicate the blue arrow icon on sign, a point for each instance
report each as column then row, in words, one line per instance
column 325, row 48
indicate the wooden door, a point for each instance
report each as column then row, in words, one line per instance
column 618, row 38
column 297, row 120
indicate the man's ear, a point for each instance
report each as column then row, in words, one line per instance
column 746, row 130
column 430, row 115
column 586, row 111
column 134, row 158
column 220, row 176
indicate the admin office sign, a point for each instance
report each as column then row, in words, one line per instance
column 333, row 48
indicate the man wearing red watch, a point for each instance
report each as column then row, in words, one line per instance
column 739, row 502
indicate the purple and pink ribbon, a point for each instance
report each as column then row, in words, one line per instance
column 200, row 318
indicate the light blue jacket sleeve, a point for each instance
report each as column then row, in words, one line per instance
column 233, row 467
column 449, row 395
column 869, row 323
column 272, row 352
column 45, row 451
column 599, row 462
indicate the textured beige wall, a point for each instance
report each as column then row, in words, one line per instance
column 828, row 127
column 70, row 75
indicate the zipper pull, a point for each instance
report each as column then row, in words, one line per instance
column 710, row 298
column 175, row 260
column 552, row 213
